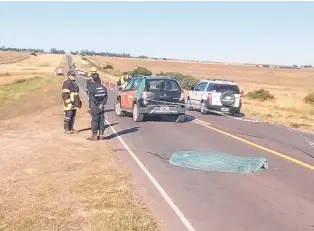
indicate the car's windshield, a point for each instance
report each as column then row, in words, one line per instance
column 161, row 85
column 226, row 87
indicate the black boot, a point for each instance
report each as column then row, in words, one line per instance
column 72, row 125
column 67, row 127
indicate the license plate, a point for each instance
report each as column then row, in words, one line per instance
column 224, row 109
column 164, row 108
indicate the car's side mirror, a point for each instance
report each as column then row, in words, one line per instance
column 192, row 88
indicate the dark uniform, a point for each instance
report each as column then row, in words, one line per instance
column 89, row 81
column 98, row 98
column 71, row 101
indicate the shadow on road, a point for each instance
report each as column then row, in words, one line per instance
column 88, row 129
column 123, row 132
column 109, row 110
column 163, row 157
column 85, row 129
column 164, row 118
column 240, row 115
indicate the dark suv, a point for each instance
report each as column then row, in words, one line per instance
column 151, row 95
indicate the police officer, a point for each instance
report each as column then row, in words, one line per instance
column 89, row 81
column 71, row 102
column 98, row 98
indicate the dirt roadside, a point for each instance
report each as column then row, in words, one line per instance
column 53, row 181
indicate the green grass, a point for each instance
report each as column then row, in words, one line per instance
column 14, row 91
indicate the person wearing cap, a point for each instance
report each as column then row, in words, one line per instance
column 98, row 98
column 124, row 79
column 89, row 81
column 71, row 102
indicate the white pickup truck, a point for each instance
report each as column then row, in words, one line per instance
column 215, row 95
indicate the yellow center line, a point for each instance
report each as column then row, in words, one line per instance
column 258, row 146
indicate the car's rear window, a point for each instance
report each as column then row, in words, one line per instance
column 153, row 85
column 226, row 87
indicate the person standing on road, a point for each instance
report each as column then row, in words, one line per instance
column 123, row 80
column 71, row 101
column 89, row 81
column 98, row 97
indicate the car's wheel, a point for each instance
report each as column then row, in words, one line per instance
column 137, row 116
column 189, row 106
column 235, row 113
column 118, row 109
column 203, row 108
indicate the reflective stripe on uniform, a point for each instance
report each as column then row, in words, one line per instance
column 67, row 118
column 100, row 94
column 66, row 90
column 68, row 101
column 72, row 94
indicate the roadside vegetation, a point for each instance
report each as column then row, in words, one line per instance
column 309, row 99
column 186, row 81
column 140, row 71
column 46, row 187
column 21, row 87
column 261, row 95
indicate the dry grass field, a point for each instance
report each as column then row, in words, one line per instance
column 43, row 64
column 51, row 181
column 12, row 56
column 289, row 86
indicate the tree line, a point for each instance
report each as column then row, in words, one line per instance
column 108, row 54
column 3, row 48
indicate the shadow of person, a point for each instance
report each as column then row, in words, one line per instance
column 88, row 129
column 109, row 110
column 123, row 132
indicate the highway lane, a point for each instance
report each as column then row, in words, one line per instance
column 278, row 199
column 276, row 137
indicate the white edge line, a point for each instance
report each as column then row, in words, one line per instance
column 184, row 220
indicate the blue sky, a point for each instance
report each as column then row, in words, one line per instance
column 258, row 32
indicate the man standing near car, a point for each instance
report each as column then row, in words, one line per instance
column 98, row 98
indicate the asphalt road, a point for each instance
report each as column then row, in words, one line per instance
column 281, row 198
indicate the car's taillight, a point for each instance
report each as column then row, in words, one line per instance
column 209, row 97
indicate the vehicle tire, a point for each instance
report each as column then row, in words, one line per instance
column 235, row 113
column 118, row 109
column 203, row 108
column 189, row 106
column 137, row 116
column 179, row 118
